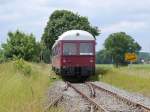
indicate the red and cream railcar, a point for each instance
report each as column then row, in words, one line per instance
column 73, row 54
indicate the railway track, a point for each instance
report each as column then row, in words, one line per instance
column 101, row 99
column 135, row 105
column 94, row 105
column 53, row 103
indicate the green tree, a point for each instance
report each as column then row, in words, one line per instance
column 103, row 57
column 21, row 45
column 45, row 53
column 2, row 58
column 117, row 44
column 145, row 56
column 63, row 20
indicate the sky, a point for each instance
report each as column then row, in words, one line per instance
column 31, row 16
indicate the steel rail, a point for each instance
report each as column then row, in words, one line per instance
column 60, row 97
column 97, row 106
column 92, row 90
column 141, row 106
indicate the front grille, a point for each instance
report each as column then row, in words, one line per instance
column 77, row 70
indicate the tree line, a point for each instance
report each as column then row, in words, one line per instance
column 25, row 46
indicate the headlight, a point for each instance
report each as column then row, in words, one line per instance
column 64, row 61
column 91, row 61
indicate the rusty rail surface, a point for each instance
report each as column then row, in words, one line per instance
column 53, row 103
column 97, row 106
column 60, row 97
column 92, row 90
column 128, row 101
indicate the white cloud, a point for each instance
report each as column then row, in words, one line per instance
column 110, row 15
column 130, row 26
column 9, row 17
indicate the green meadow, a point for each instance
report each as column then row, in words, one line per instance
column 134, row 78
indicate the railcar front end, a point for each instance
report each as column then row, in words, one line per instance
column 74, row 54
column 78, row 58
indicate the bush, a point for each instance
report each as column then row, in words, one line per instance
column 21, row 45
column 2, row 58
column 22, row 66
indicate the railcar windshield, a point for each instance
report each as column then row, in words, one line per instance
column 70, row 49
column 86, row 49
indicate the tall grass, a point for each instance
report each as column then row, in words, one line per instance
column 22, row 93
column 135, row 78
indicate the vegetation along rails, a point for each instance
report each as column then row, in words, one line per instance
column 137, row 105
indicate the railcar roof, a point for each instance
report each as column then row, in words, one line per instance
column 75, row 35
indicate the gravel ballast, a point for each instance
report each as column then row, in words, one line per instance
column 132, row 96
column 73, row 102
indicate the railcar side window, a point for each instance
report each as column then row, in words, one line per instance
column 86, row 49
column 70, row 49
